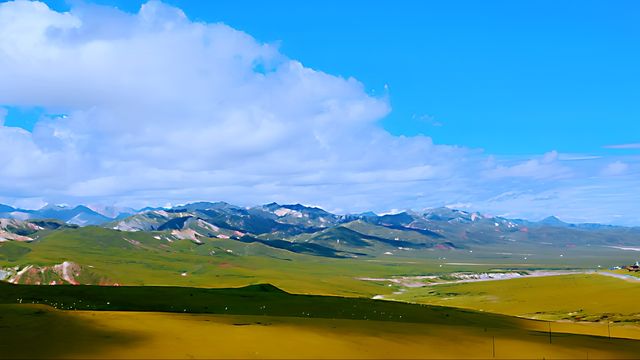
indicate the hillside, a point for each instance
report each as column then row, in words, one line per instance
column 205, row 243
column 145, row 322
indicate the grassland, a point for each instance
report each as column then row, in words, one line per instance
column 139, row 258
column 264, row 322
column 171, row 302
column 580, row 297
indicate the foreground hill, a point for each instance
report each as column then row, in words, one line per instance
column 218, row 323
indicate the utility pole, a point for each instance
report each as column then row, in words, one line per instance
column 549, row 323
column 494, row 346
column 609, row 328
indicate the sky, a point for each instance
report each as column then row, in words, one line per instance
column 521, row 109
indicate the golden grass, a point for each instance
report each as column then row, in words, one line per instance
column 591, row 297
column 37, row 331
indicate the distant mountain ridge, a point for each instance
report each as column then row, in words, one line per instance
column 218, row 230
column 300, row 228
column 79, row 215
column 84, row 215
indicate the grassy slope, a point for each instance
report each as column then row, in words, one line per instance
column 130, row 258
column 572, row 297
column 265, row 322
column 252, row 300
column 140, row 259
column 155, row 262
column 144, row 260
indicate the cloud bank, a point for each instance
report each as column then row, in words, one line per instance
column 159, row 108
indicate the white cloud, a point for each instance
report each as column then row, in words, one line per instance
column 615, row 169
column 29, row 203
column 577, row 201
column 624, row 146
column 164, row 109
column 577, row 157
column 546, row 167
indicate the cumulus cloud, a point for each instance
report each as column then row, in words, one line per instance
column 615, row 169
column 161, row 108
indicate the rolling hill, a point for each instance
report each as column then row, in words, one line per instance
column 153, row 245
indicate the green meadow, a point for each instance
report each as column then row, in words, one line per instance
column 139, row 258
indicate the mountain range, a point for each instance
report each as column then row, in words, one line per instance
column 91, row 245
column 84, row 215
column 79, row 215
column 312, row 230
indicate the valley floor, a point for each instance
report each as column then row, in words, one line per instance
column 577, row 297
column 45, row 332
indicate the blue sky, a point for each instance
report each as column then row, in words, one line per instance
column 514, row 108
column 511, row 77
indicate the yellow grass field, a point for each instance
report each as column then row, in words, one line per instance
column 33, row 331
column 584, row 297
